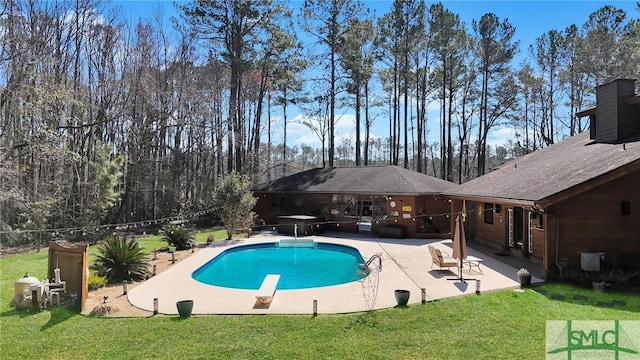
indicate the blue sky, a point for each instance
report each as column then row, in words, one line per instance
column 530, row 18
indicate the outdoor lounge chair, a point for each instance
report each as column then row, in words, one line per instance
column 441, row 261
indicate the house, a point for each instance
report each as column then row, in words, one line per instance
column 573, row 205
column 570, row 206
column 386, row 200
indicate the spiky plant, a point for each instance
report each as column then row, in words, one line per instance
column 121, row 259
column 180, row 237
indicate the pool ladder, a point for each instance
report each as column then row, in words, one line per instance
column 373, row 257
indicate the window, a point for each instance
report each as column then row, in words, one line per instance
column 625, row 208
column 497, row 208
column 367, row 208
column 538, row 220
column 488, row 213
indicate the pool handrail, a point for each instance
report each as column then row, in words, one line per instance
column 373, row 257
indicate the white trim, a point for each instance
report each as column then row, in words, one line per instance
column 530, row 245
column 512, row 242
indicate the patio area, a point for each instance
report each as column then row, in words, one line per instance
column 406, row 264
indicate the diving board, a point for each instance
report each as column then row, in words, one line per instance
column 268, row 288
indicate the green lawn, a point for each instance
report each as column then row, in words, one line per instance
column 153, row 242
column 497, row 325
column 150, row 243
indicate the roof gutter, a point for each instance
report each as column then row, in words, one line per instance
column 493, row 199
column 557, row 241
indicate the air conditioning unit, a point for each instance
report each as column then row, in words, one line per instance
column 590, row 261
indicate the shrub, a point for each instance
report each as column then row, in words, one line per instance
column 96, row 281
column 235, row 201
column 180, row 237
column 120, row 259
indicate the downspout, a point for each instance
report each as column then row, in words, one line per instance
column 557, row 241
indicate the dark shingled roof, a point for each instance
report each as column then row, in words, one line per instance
column 556, row 168
column 384, row 180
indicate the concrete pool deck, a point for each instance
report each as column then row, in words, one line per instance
column 406, row 264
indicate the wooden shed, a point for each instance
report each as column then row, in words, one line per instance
column 72, row 260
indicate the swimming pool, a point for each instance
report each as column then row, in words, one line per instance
column 300, row 267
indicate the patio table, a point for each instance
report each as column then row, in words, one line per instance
column 472, row 261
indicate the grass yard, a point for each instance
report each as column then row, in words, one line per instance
column 150, row 243
column 153, row 242
column 498, row 325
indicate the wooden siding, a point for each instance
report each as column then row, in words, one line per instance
column 538, row 243
column 606, row 113
column 589, row 222
column 494, row 234
column 263, row 207
column 550, row 230
column 73, row 262
column 593, row 221
column 435, row 209
column 614, row 120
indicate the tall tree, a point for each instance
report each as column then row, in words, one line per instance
column 495, row 49
column 327, row 21
column 413, row 28
column 279, row 67
column 235, row 28
column 388, row 46
column 529, row 84
column 602, row 32
column 448, row 40
column 399, row 41
column 468, row 107
column 630, row 43
column 421, row 59
column 548, row 52
column 573, row 76
column 287, row 83
column 358, row 64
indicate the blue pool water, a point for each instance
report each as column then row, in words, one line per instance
column 244, row 267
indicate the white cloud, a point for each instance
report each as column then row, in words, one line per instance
column 298, row 134
column 92, row 15
column 345, row 122
column 501, row 136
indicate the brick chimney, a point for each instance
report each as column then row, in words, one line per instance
column 614, row 119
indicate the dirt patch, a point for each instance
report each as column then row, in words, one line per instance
column 115, row 296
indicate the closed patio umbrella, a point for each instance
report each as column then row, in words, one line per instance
column 459, row 244
column 459, row 240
